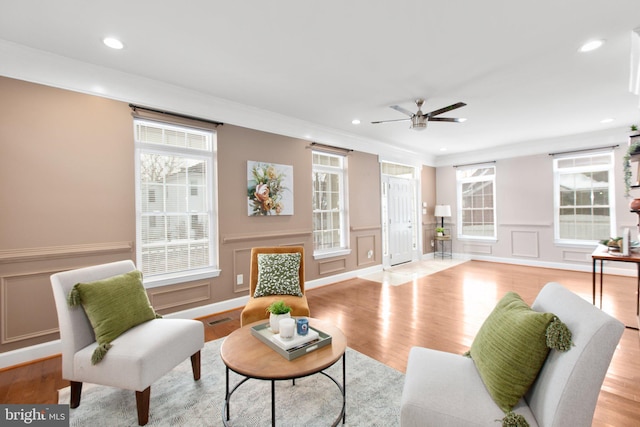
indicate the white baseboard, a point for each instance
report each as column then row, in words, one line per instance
column 209, row 309
column 39, row 351
column 342, row 276
column 612, row 268
column 27, row 354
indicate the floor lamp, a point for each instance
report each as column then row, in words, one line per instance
column 442, row 211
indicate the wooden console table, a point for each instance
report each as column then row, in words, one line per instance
column 602, row 254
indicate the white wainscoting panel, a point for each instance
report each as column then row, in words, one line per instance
column 476, row 248
column 525, row 244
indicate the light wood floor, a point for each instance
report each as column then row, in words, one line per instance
column 442, row 311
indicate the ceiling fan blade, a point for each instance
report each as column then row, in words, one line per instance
column 402, row 110
column 445, row 109
column 389, row 121
column 445, row 119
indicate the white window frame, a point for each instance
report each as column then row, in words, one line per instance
column 208, row 156
column 459, row 211
column 557, row 172
column 343, row 249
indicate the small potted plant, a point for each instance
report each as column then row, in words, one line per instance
column 277, row 310
column 440, row 231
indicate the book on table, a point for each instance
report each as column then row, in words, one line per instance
column 297, row 340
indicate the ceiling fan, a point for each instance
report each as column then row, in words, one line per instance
column 419, row 119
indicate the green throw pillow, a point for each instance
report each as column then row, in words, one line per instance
column 113, row 306
column 510, row 349
column 278, row 274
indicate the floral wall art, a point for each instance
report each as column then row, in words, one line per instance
column 269, row 189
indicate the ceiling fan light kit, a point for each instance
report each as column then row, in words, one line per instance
column 418, row 122
column 419, row 119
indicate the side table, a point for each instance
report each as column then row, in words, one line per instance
column 443, row 241
column 601, row 254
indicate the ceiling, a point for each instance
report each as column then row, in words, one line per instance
column 316, row 66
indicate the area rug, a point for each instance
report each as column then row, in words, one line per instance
column 373, row 393
column 406, row 273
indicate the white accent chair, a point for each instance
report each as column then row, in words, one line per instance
column 138, row 357
column 444, row 389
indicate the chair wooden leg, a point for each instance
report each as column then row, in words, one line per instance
column 76, row 391
column 142, row 402
column 195, row 365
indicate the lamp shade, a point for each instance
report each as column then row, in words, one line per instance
column 442, row 210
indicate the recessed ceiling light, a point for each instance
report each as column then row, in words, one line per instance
column 443, row 149
column 591, row 45
column 462, row 119
column 113, row 43
column 607, row 120
column 355, row 121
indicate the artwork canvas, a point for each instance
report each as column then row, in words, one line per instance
column 269, row 189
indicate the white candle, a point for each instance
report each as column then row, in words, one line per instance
column 287, row 328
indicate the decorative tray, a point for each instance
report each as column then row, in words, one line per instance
column 316, row 339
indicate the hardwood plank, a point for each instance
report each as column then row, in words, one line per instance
column 442, row 311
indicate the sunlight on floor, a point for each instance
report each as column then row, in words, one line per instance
column 407, row 273
column 479, row 300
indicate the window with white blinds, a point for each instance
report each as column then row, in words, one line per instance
column 329, row 206
column 476, row 202
column 174, row 200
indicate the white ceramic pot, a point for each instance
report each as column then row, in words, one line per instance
column 274, row 321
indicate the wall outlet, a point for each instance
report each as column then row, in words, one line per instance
column 432, row 243
column 239, row 279
column 370, row 254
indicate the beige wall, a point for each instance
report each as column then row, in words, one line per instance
column 67, row 200
column 66, row 168
column 428, row 195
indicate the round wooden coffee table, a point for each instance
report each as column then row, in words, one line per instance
column 246, row 355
